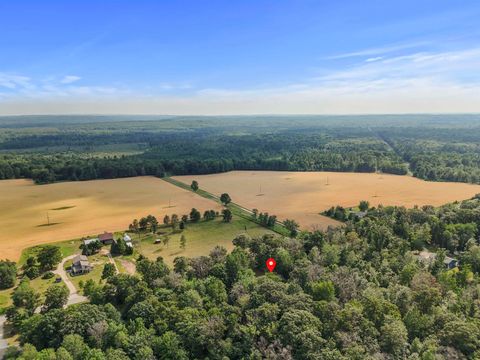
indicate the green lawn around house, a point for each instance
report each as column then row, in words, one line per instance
column 202, row 237
column 5, row 299
column 67, row 248
column 97, row 261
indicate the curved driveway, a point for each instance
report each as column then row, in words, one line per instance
column 74, row 297
column 3, row 342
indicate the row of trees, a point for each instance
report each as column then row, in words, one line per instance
column 264, row 219
column 151, row 224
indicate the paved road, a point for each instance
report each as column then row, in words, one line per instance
column 74, row 297
column 3, row 342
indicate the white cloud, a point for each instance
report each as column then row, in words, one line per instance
column 412, row 83
column 372, row 59
column 378, row 50
column 13, row 81
column 68, row 79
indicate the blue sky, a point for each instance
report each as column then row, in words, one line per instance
column 235, row 57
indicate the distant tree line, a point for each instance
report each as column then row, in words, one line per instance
column 211, row 153
column 434, row 147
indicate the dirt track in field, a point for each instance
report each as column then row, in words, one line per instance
column 84, row 208
column 302, row 195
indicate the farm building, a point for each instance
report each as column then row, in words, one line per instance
column 81, row 265
column 106, row 238
column 90, row 241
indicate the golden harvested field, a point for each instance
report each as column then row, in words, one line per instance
column 84, row 208
column 302, row 195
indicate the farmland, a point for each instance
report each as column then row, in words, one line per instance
column 32, row 214
column 303, row 195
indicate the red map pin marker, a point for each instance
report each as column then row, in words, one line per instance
column 271, row 264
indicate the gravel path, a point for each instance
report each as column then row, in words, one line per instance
column 110, row 258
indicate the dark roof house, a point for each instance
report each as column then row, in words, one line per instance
column 81, row 265
column 450, row 263
column 106, row 238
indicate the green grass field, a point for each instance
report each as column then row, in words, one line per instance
column 39, row 285
column 67, row 248
column 5, row 299
column 201, row 237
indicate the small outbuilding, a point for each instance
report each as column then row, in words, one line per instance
column 90, row 241
column 360, row 214
column 81, row 265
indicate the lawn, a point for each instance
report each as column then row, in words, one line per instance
column 67, row 248
column 39, row 285
column 5, row 299
column 201, row 237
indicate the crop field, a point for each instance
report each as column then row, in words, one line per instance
column 303, row 195
column 36, row 214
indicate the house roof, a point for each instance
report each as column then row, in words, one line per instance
column 105, row 236
column 448, row 260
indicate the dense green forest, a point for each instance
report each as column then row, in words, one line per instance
column 59, row 148
column 357, row 292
